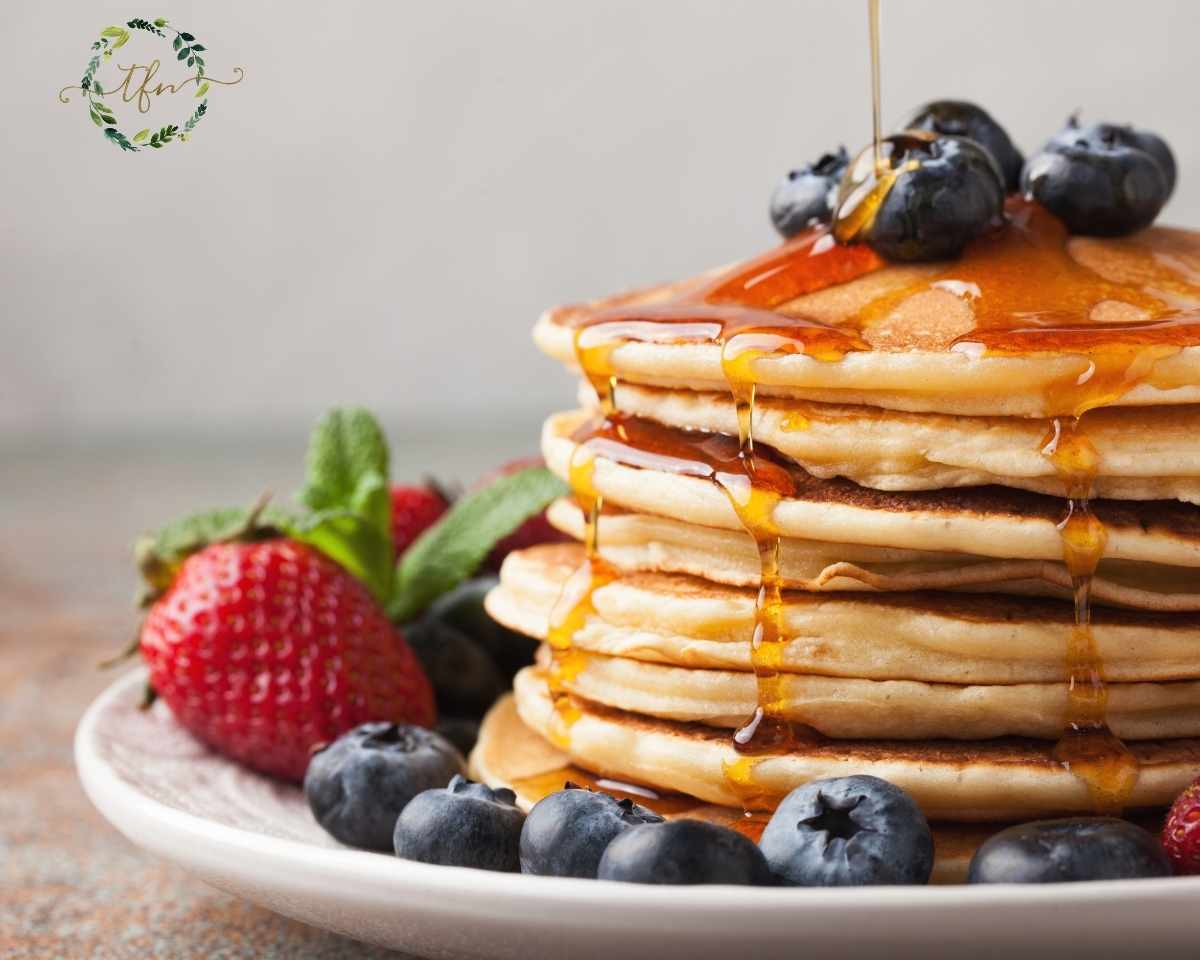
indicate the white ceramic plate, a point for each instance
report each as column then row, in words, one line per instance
column 256, row 839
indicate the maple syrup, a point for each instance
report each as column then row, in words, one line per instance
column 575, row 603
column 666, row 804
column 876, row 99
column 754, row 483
column 1087, row 748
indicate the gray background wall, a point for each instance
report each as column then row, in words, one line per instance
column 380, row 210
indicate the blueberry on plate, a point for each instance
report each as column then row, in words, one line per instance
column 567, row 832
column 465, row 678
column 806, row 196
column 959, row 118
column 465, row 824
column 849, row 831
column 1103, row 180
column 936, row 195
column 1053, row 851
column 357, row 785
column 684, row 852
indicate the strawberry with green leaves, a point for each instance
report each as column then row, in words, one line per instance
column 270, row 631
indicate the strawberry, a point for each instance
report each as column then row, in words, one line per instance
column 1181, row 832
column 415, row 510
column 266, row 650
column 535, row 530
column 270, row 630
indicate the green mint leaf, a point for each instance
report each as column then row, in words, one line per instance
column 346, row 446
column 452, row 550
column 346, row 489
column 352, row 542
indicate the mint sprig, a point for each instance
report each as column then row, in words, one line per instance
column 345, row 511
column 347, row 494
column 454, row 548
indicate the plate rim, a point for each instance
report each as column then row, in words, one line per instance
column 126, row 808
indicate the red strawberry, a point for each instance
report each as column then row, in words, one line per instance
column 264, row 650
column 535, row 530
column 1181, row 833
column 415, row 510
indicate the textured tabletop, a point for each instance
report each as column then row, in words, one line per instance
column 70, row 885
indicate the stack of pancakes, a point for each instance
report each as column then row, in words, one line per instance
column 933, row 521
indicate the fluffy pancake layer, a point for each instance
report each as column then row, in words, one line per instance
column 848, row 708
column 642, row 541
column 1141, row 454
column 981, row 521
column 1009, row 779
column 942, row 638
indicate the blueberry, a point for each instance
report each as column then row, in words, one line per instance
column 850, row 831
column 465, row 679
column 806, row 196
column 463, row 732
column 1103, row 180
column 944, row 192
column 1053, row 851
column 357, row 785
column 684, row 852
column 959, row 118
column 464, row 824
column 567, row 832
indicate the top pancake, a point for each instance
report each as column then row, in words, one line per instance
column 1022, row 325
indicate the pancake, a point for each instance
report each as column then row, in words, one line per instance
column 1141, row 454
column 510, row 755
column 685, row 621
column 1009, row 779
column 848, row 708
column 983, row 521
column 1027, row 323
column 638, row 542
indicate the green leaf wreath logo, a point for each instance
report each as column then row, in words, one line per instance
column 135, row 84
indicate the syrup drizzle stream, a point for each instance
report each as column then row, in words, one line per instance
column 754, row 484
column 876, row 100
column 576, row 604
column 1087, row 747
